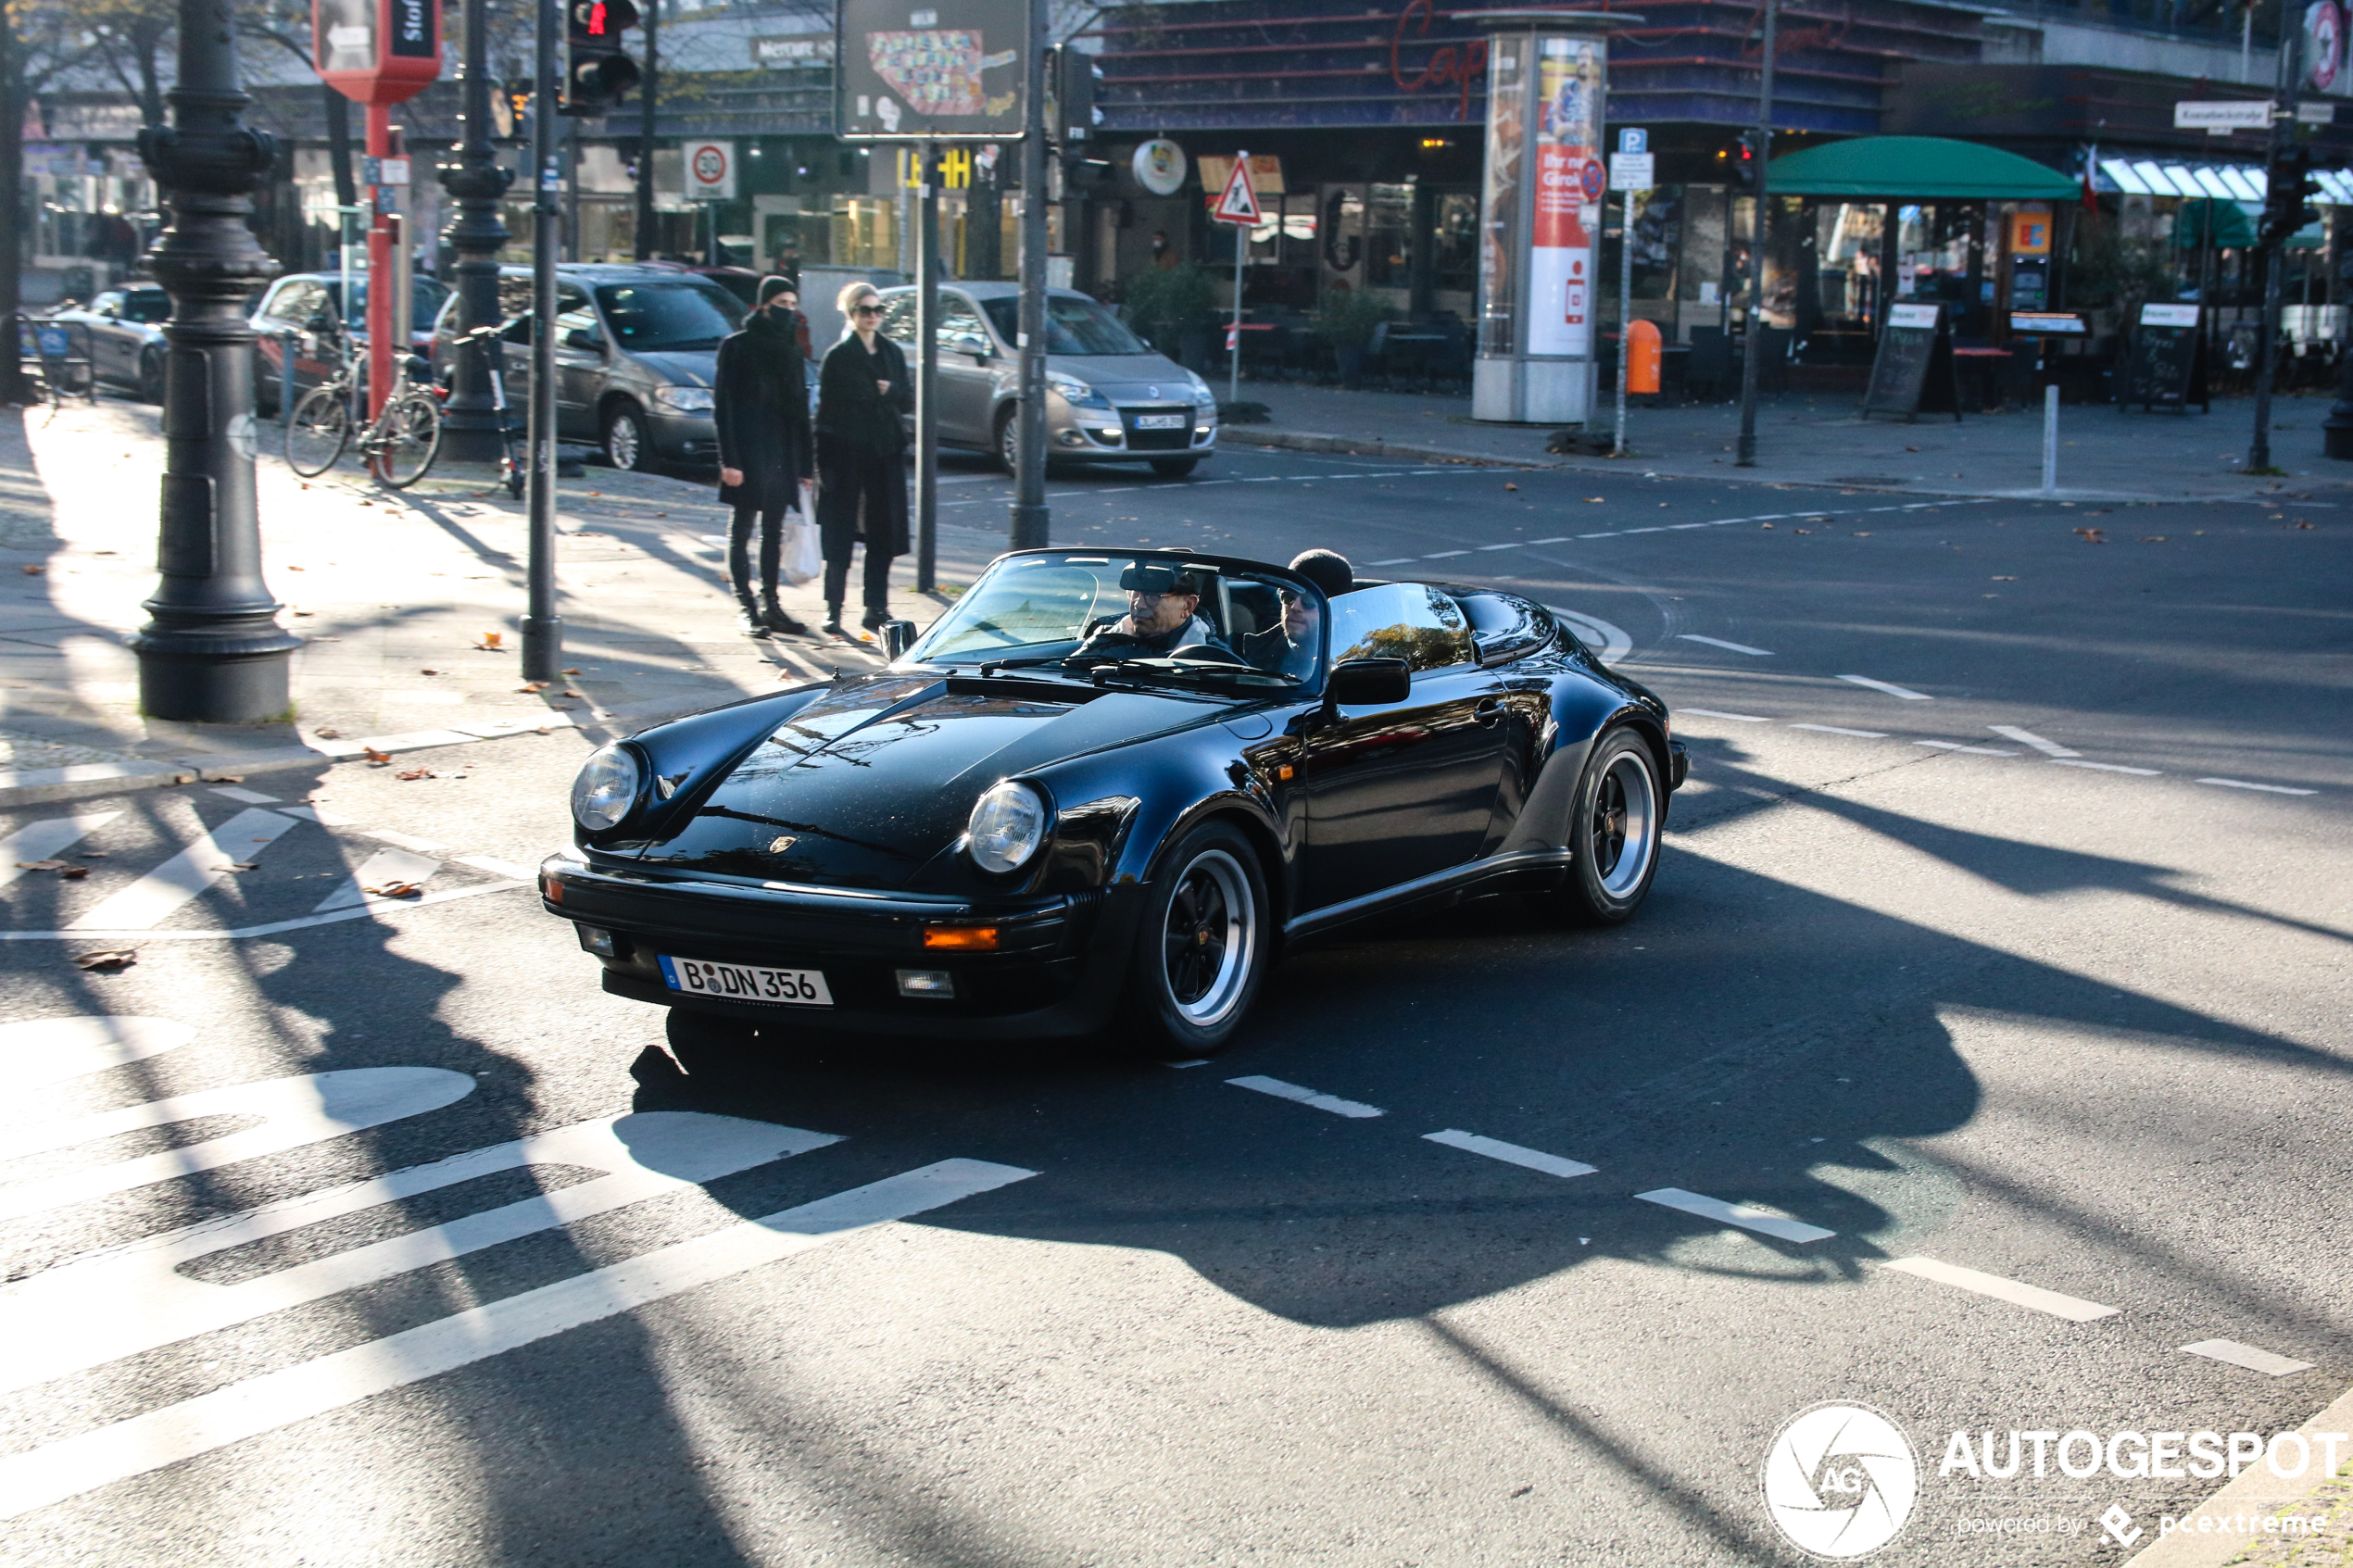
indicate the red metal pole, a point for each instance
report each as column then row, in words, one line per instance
column 380, row 269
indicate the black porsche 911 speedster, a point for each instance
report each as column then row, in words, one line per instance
column 1109, row 784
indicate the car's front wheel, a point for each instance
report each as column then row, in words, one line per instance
column 627, row 444
column 1202, row 947
column 1614, row 831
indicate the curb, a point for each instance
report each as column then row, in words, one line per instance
column 1373, row 446
column 2257, row 1491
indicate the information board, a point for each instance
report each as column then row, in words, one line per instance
column 1913, row 372
column 942, row 70
column 2168, row 365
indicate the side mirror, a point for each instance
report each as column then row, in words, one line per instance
column 582, row 338
column 1368, row 683
column 898, row 636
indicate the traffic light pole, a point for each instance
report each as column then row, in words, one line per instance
column 471, row 423
column 2283, row 207
column 927, row 367
column 1029, row 515
column 542, row 630
column 1752, row 335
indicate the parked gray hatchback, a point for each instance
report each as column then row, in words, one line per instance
column 1110, row 397
column 636, row 350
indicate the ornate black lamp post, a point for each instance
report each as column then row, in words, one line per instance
column 475, row 182
column 212, row 648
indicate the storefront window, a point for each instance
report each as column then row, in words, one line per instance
column 865, row 232
column 1389, row 236
column 1454, row 263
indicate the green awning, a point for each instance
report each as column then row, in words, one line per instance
column 1918, row 169
column 2233, row 223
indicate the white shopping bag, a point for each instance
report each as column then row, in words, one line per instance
column 804, row 550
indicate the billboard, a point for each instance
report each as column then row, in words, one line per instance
column 946, row 70
column 1569, row 182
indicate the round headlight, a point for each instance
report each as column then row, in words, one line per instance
column 606, row 787
column 1007, row 826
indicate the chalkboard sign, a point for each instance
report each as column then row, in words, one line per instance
column 2167, row 366
column 1914, row 371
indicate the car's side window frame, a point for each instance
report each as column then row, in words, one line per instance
column 1430, row 603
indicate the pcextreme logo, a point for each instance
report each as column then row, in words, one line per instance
column 1840, row 1480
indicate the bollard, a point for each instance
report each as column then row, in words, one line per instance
column 286, row 342
column 2050, row 440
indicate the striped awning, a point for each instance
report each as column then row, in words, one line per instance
column 2219, row 181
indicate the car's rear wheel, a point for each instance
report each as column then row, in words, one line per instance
column 626, row 442
column 1614, row 831
column 1009, row 438
column 1175, row 468
column 1202, row 947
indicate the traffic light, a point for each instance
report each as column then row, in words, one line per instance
column 1072, row 77
column 2287, row 203
column 1744, row 163
column 596, row 74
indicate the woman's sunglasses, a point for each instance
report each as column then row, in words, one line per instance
column 865, row 310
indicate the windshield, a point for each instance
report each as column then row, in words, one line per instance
column 1129, row 612
column 672, row 314
column 1073, row 326
column 146, row 305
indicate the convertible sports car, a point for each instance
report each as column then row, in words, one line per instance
column 1109, row 783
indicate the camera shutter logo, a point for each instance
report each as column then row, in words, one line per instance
column 1840, row 1480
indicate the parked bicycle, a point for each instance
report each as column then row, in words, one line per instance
column 398, row 445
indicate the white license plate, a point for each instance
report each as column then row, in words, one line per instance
column 743, row 983
column 1162, row 421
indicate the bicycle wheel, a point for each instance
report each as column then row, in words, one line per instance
column 406, row 439
column 315, row 436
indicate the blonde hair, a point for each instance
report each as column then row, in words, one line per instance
column 852, row 292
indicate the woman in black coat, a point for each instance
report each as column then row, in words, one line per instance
column 761, row 396
column 861, row 466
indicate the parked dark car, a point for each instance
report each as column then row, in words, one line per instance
column 636, row 350
column 299, row 303
column 126, row 336
column 1018, row 829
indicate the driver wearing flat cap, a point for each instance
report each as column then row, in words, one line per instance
column 1162, row 601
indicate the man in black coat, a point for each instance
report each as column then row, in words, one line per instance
column 861, row 465
column 760, row 397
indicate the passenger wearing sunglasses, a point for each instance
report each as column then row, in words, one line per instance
column 862, row 444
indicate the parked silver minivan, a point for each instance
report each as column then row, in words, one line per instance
column 1110, row 398
column 636, row 350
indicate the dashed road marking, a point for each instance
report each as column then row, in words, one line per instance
column 1718, row 713
column 1512, row 1153
column 2028, row 737
column 44, row 840
column 2109, row 767
column 213, row 856
column 245, row 797
column 385, row 868
column 1907, row 693
column 2268, row 789
column 1832, row 730
column 1332, row 1103
column 1747, row 1216
column 1956, row 746
column 2248, row 1356
column 1721, row 643
column 2074, row 1309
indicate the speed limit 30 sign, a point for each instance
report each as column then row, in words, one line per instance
column 710, row 170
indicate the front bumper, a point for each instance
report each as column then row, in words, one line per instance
column 1057, row 969
column 1109, row 435
column 683, row 438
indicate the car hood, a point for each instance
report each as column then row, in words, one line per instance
column 867, row 784
column 680, row 366
column 1129, row 378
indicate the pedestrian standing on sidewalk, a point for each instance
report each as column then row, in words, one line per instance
column 760, row 397
column 862, row 466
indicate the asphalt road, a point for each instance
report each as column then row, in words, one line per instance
column 1908, row 976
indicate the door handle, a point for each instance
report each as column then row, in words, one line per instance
column 1490, row 709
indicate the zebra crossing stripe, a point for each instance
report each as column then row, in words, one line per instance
column 37, row 1051
column 39, row 841
column 212, row 856
column 134, row 1298
column 294, row 1111
column 68, row 1468
column 383, row 869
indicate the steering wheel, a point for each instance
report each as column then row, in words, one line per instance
column 1205, row 653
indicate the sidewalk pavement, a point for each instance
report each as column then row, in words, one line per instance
column 394, row 594
column 1815, row 438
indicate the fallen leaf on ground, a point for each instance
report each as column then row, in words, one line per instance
column 302, row 613
column 428, row 672
column 35, row 571
column 1862, row 534
column 41, row 865
column 567, row 692
column 416, row 773
column 375, row 757
column 2093, row 536
column 543, row 729
column 235, row 866
column 2300, row 523
column 1801, row 530
column 490, row 639
column 73, row 873
column 572, row 669
column 113, row 957
column 293, row 569
column 1510, row 486
column 1911, row 448
column 398, row 890
column 328, row 735
column 94, row 854
column 1595, row 500
column 224, row 778
column 1764, row 525
column 533, row 687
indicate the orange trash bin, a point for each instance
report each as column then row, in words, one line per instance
column 1643, row 352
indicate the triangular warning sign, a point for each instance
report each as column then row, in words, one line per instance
column 1239, row 203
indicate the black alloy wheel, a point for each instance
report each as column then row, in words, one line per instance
column 1614, row 830
column 1201, row 950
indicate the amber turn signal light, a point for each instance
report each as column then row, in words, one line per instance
column 968, row 939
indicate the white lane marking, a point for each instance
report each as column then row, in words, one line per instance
column 2106, row 767
column 1180, row 1066
column 134, row 1298
column 42, row 840
column 1608, row 641
column 1835, row 730
column 1642, row 531
column 1956, row 746
column 368, row 910
column 2072, row 1308
column 2268, row 789
column 1890, row 688
column 2028, row 737
column 1747, row 1216
column 383, row 869
column 1332, row 1103
column 1513, row 545
column 1444, row 555
column 1721, row 643
column 294, row 1111
column 1397, row 560
column 245, row 797
column 1735, row 717
column 2248, row 1356
column 195, row 868
column 1512, row 1153
column 497, row 867
column 404, row 841
column 77, row 1465
column 50, row 1050
column 313, row 814
column 1605, row 533
column 1677, row 526
column 1556, row 539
